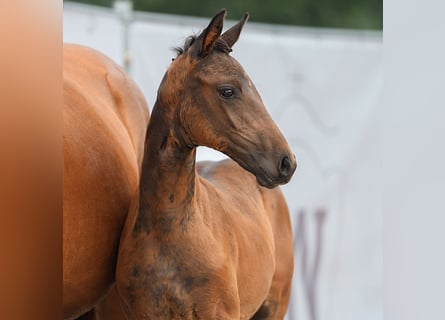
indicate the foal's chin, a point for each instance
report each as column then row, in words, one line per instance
column 265, row 180
column 269, row 173
column 264, row 177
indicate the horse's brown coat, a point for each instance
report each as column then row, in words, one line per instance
column 105, row 117
column 214, row 245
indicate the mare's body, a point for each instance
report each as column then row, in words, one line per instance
column 105, row 117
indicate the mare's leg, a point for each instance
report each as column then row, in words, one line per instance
column 267, row 309
column 275, row 305
column 107, row 309
column 90, row 315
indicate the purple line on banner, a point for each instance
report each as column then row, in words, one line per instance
column 308, row 264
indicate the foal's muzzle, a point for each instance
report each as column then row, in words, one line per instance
column 285, row 166
column 281, row 173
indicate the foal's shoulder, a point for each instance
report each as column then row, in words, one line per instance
column 228, row 175
column 224, row 169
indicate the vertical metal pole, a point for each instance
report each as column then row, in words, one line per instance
column 124, row 10
column 126, row 53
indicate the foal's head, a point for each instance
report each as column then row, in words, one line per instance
column 219, row 107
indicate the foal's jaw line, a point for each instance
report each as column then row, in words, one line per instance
column 260, row 174
column 265, row 180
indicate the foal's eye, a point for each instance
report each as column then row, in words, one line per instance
column 226, row 92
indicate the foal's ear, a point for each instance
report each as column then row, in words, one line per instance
column 232, row 35
column 212, row 33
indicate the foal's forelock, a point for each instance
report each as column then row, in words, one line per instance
column 220, row 45
column 197, row 82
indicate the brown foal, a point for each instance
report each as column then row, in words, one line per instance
column 212, row 240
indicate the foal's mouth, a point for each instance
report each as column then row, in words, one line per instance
column 266, row 174
column 264, row 179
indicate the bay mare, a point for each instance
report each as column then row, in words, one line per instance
column 105, row 117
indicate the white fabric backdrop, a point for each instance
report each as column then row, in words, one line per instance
column 323, row 88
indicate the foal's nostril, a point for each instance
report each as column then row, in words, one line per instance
column 285, row 166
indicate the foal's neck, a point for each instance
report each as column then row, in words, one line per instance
column 167, row 185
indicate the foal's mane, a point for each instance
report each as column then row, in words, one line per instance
column 220, row 45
